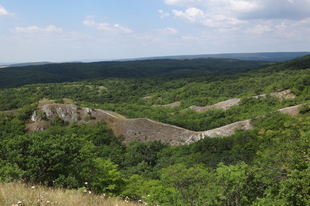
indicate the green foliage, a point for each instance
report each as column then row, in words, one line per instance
column 59, row 101
column 268, row 165
column 64, row 157
column 68, row 72
column 304, row 108
column 25, row 113
column 192, row 186
column 104, row 177
column 138, row 187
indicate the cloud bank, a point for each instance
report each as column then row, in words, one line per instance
column 163, row 14
column 251, row 9
column 35, row 29
column 197, row 16
column 116, row 28
column 3, row 11
column 168, row 31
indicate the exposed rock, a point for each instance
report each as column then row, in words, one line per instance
column 221, row 105
column 47, row 109
column 291, row 110
column 141, row 129
column 67, row 113
column 172, row 105
column 147, row 130
column 44, row 128
column 148, row 97
column 87, row 111
column 39, row 125
column 34, row 116
column 232, row 102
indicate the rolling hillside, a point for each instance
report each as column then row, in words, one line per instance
column 69, row 72
column 141, row 139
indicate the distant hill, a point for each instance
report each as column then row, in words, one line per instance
column 263, row 56
column 68, row 72
column 260, row 56
column 29, row 64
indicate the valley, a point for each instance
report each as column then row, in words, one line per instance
column 142, row 129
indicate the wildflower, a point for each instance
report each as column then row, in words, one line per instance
column 89, row 192
column 33, row 187
column 86, row 183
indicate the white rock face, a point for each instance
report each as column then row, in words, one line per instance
column 40, row 129
column 67, row 113
column 34, row 116
column 221, row 105
column 232, row 102
column 87, row 111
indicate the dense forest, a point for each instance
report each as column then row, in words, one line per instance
column 68, row 72
column 264, row 166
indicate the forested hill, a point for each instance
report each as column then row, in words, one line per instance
column 267, row 165
column 260, row 56
column 69, row 72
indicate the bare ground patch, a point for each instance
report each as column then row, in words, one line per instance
column 232, row 102
column 172, row 105
column 68, row 101
column 146, row 130
column 45, row 101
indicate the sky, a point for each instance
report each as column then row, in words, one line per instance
column 75, row 30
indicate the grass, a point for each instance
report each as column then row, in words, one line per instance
column 20, row 194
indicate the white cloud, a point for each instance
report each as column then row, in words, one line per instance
column 116, row 28
column 35, row 29
column 236, row 5
column 186, row 3
column 189, row 37
column 163, row 14
column 168, row 30
column 258, row 29
column 294, row 29
column 250, row 9
column 4, row 12
column 197, row 16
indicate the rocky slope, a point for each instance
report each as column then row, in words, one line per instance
column 141, row 129
column 232, row 102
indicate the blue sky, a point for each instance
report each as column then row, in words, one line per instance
column 67, row 30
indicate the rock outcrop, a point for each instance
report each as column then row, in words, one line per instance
column 225, row 105
column 140, row 129
column 67, row 113
column 221, row 105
